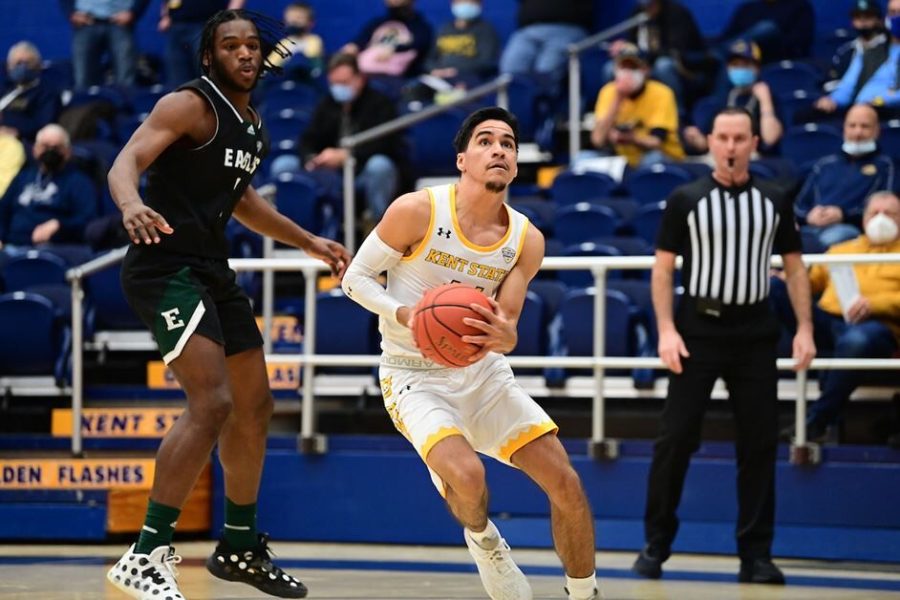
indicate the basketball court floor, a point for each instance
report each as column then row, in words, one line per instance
column 377, row 572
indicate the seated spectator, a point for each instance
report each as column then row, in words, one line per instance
column 870, row 326
column 830, row 203
column 867, row 21
column 539, row 46
column 305, row 62
column 394, row 44
column 747, row 92
column 784, row 29
column 636, row 115
column 50, row 201
column 871, row 74
column 12, row 157
column 674, row 46
column 351, row 107
column 27, row 103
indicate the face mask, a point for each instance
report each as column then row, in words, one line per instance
column 52, row 159
column 633, row 78
column 467, row 11
column 866, row 33
column 296, row 29
column 22, row 73
column 892, row 24
column 859, row 148
column 341, row 92
column 741, row 76
column 881, row 229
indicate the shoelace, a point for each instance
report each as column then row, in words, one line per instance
column 169, row 562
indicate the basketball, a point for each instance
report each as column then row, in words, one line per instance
column 438, row 324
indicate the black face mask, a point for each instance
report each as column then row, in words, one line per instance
column 295, row 29
column 52, row 159
column 867, row 33
column 400, row 12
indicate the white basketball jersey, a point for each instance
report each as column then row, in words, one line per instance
column 445, row 256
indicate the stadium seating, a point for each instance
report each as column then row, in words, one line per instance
column 41, row 339
column 296, row 199
column 788, row 76
column 583, row 221
column 807, row 143
column 571, row 188
column 646, row 222
column 654, row 183
column 35, row 267
column 583, row 277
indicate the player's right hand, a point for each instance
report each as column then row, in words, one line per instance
column 671, row 350
column 144, row 224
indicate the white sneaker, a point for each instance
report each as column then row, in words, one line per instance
column 501, row 578
column 598, row 595
column 147, row 577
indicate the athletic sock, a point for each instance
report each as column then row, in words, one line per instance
column 487, row 539
column 581, row 588
column 240, row 525
column 159, row 525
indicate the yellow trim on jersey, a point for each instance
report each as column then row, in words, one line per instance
column 428, row 231
column 462, row 236
column 524, row 438
column 434, row 438
column 522, row 239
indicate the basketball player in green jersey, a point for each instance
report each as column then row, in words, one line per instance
column 200, row 147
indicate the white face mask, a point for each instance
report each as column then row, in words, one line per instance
column 881, row 229
column 633, row 78
column 859, row 148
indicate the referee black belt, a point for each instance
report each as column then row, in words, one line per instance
column 727, row 313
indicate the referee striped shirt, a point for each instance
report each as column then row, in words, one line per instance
column 726, row 237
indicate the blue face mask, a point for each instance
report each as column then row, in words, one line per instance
column 341, row 92
column 741, row 76
column 467, row 11
column 22, row 73
column 893, row 25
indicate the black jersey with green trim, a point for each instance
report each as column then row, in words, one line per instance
column 196, row 189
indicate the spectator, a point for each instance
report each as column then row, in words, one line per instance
column 870, row 326
column 784, row 29
column 546, row 28
column 872, row 75
column 305, row 46
column 351, row 107
column 12, row 157
column 747, row 92
column 182, row 22
column 103, row 25
column 674, row 46
column 466, row 48
column 394, row 44
column 28, row 103
column 867, row 20
column 831, row 200
column 636, row 115
column 50, row 201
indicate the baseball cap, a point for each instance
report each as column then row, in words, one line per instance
column 866, row 7
column 744, row 49
column 631, row 54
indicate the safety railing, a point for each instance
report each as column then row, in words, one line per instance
column 599, row 266
column 498, row 86
column 575, row 51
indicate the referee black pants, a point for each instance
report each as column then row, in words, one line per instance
column 749, row 372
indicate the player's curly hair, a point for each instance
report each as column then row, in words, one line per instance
column 271, row 33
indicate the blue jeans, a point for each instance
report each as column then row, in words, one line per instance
column 88, row 45
column 540, row 51
column 833, row 234
column 869, row 339
column 182, row 53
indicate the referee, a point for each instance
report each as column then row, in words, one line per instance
column 726, row 226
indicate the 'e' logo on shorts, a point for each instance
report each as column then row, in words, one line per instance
column 172, row 320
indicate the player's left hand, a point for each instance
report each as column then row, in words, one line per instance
column 331, row 253
column 500, row 333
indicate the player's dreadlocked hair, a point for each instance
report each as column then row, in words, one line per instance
column 270, row 31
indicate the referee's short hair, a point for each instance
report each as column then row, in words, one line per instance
column 733, row 110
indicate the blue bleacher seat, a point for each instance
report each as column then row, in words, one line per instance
column 584, row 277
column 787, row 76
column 286, row 125
column 577, row 312
column 432, row 152
column 532, row 328
column 289, row 95
column 35, row 267
column 344, row 327
column 703, row 112
column 628, row 245
column 296, row 199
column 41, row 339
column 655, row 182
column 144, row 99
column 523, row 102
column 112, row 312
column 571, row 188
column 810, row 142
column 645, row 223
column 889, row 140
column 541, row 212
column 551, row 293
column 584, row 221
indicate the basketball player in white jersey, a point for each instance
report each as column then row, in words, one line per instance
column 464, row 232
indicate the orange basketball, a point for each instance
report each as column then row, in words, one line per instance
column 438, row 323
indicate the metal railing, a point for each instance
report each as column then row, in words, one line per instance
column 599, row 266
column 499, row 85
column 575, row 51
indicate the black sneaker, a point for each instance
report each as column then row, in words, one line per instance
column 254, row 567
column 760, row 570
column 649, row 562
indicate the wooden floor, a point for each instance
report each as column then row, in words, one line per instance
column 55, row 572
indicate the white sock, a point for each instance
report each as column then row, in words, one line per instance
column 487, row 539
column 583, row 588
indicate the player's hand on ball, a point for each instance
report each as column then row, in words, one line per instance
column 143, row 224
column 500, row 333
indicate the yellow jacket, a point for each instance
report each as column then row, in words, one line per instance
column 878, row 282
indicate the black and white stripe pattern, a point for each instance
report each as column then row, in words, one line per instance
column 731, row 240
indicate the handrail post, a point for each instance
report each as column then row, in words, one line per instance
column 309, row 441
column 802, row 451
column 503, row 95
column 600, row 447
column 77, row 365
column 268, row 295
column 349, row 201
column 574, row 104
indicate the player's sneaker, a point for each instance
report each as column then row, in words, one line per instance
column 254, row 567
column 598, row 595
column 147, row 576
column 502, row 579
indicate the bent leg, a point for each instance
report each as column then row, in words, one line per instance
column 465, row 486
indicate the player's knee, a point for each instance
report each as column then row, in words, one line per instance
column 215, row 408
column 565, row 489
column 466, row 477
